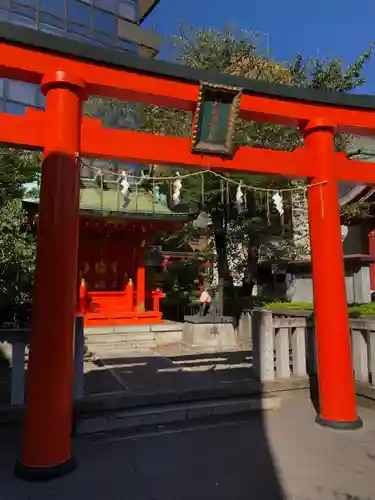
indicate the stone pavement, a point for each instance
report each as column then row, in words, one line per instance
column 268, row 456
column 167, row 368
column 163, row 369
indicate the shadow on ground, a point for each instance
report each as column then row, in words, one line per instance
column 213, row 463
column 166, row 369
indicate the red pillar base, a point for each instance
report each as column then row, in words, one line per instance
column 41, row 474
column 339, row 425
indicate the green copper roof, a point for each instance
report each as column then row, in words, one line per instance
column 109, row 201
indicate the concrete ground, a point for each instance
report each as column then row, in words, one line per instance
column 268, row 456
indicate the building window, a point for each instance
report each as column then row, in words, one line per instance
column 103, row 38
column 52, row 20
column 31, row 3
column 107, row 5
column 105, row 22
column 22, row 20
column 128, row 10
column 78, row 12
column 21, row 92
column 25, row 10
column 79, row 29
column 40, row 99
column 55, row 7
column 15, row 108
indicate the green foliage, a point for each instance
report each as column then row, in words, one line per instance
column 352, row 213
column 112, row 112
column 179, row 280
column 329, row 74
column 17, row 243
column 297, row 306
column 212, row 49
column 353, row 309
column 362, row 309
column 16, row 169
column 17, row 261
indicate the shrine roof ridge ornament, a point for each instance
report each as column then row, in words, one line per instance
column 30, row 38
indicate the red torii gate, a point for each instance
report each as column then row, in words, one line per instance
column 68, row 73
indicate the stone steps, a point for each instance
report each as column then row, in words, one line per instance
column 162, row 327
column 136, row 418
column 132, row 336
column 121, row 347
column 119, row 338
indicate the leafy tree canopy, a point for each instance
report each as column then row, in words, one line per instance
column 17, row 243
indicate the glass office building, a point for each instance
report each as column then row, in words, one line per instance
column 107, row 23
column 114, row 24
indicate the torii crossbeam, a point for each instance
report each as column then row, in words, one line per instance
column 68, row 73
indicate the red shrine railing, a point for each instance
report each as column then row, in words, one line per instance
column 107, row 308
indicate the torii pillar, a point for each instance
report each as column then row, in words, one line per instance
column 46, row 451
column 335, row 370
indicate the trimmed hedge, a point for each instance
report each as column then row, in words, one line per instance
column 353, row 309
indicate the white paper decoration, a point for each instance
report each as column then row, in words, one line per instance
column 157, row 193
column 240, row 199
column 278, row 201
column 177, row 186
column 125, row 188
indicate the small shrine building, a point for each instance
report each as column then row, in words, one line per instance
column 115, row 286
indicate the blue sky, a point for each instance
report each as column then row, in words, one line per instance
column 325, row 28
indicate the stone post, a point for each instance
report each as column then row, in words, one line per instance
column 263, row 345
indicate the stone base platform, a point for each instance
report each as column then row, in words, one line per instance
column 201, row 331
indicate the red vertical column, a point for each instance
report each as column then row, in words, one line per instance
column 46, row 451
column 335, row 370
column 141, row 281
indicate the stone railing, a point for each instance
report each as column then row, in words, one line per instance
column 14, row 348
column 284, row 347
column 363, row 350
